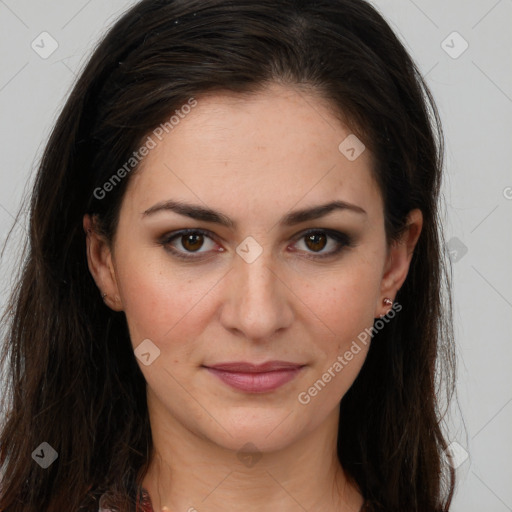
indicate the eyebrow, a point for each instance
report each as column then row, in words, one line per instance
column 208, row 215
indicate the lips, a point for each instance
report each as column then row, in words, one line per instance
column 243, row 367
column 255, row 378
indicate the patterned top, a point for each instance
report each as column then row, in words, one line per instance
column 144, row 501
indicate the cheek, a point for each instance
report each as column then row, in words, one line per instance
column 341, row 343
column 344, row 300
column 159, row 302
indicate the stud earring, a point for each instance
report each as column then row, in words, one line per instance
column 388, row 302
column 103, row 296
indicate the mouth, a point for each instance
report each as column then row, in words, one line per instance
column 252, row 378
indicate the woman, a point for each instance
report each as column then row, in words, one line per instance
column 232, row 297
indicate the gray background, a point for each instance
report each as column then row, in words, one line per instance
column 474, row 94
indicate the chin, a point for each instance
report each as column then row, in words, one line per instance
column 263, row 429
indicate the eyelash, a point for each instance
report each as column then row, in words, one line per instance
column 343, row 240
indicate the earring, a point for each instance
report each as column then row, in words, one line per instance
column 388, row 302
column 103, row 296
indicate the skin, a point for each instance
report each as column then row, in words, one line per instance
column 254, row 159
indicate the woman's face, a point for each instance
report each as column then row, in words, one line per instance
column 249, row 285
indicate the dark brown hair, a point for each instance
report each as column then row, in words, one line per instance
column 73, row 380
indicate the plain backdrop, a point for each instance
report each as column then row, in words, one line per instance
column 464, row 49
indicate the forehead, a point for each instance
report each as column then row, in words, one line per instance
column 276, row 148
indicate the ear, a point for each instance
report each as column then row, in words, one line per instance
column 101, row 264
column 398, row 260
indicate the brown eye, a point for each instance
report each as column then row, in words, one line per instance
column 323, row 243
column 192, row 242
column 316, row 241
column 189, row 243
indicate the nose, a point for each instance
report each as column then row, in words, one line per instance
column 257, row 300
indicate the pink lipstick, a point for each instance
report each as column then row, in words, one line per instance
column 253, row 378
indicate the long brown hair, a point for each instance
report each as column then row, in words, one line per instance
column 73, row 381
